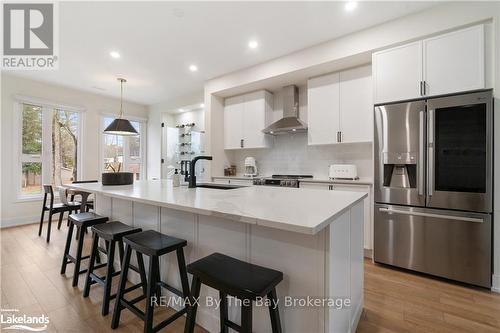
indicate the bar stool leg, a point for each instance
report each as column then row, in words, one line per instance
column 109, row 277
column 49, row 225
column 121, row 287
column 182, row 271
column 152, row 289
column 61, row 215
column 193, row 306
column 78, row 258
column 223, row 312
column 246, row 318
column 88, row 279
column 142, row 272
column 274, row 312
column 66, row 248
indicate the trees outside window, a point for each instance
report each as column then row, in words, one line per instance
column 49, row 147
column 126, row 151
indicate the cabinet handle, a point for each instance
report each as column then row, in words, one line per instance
column 338, row 136
column 425, row 88
column 421, row 90
column 241, row 143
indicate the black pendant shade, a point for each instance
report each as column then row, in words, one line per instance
column 121, row 126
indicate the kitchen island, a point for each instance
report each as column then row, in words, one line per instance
column 314, row 237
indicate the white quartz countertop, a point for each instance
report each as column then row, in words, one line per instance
column 304, row 211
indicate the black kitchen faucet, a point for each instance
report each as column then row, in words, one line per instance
column 192, row 176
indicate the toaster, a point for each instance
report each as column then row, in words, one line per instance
column 343, row 171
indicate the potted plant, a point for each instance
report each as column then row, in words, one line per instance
column 115, row 177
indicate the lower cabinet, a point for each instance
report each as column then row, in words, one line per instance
column 368, row 204
column 223, row 180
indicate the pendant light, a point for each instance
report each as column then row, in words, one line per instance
column 121, row 126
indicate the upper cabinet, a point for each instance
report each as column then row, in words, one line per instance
column 397, row 73
column 340, row 107
column 454, row 62
column 245, row 117
column 447, row 63
column 323, row 109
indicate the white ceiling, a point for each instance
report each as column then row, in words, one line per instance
column 159, row 40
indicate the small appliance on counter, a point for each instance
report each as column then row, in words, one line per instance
column 230, row 171
column 281, row 180
column 343, row 171
column 250, row 167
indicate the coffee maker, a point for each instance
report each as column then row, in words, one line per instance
column 250, row 167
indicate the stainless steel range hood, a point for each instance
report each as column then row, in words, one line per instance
column 290, row 123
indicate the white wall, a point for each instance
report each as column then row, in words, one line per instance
column 292, row 155
column 156, row 112
column 13, row 211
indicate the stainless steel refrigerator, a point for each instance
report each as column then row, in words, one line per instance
column 434, row 186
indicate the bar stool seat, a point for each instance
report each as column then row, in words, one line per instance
column 236, row 278
column 114, row 230
column 112, row 233
column 152, row 244
column 82, row 221
column 87, row 219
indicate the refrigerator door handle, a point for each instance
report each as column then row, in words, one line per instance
column 430, row 152
column 439, row 216
column 421, row 149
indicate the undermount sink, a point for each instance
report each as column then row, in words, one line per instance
column 219, row 186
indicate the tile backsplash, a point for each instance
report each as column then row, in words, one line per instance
column 290, row 154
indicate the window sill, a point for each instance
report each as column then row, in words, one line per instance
column 29, row 198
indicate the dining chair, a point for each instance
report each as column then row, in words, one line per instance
column 54, row 208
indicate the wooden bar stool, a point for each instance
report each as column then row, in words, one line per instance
column 112, row 233
column 235, row 278
column 152, row 244
column 82, row 221
column 54, row 208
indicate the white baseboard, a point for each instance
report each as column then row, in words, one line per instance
column 368, row 253
column 495, row 283
column 16, row 221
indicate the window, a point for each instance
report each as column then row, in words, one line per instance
column 124, row 153
column 49, row 147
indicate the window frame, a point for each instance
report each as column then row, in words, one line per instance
column 48, row 108
column 126, row 153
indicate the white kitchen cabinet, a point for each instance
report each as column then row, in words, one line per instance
column 323, row 116
column 340, row 107
column 356, row 105
column 368, row 205
column 224, row 180
column 448, row 63
column 233, row 122
column 245, row 117
column 454, row 61
column 397, row 73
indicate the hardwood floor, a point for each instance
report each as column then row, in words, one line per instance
column 400, row 302
column 395, row 301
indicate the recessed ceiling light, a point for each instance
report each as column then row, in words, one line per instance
column 181, row 110
column 114, row 54
column 193, row 68
column 350, row 6
column 202, row 105
column 253, row 44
